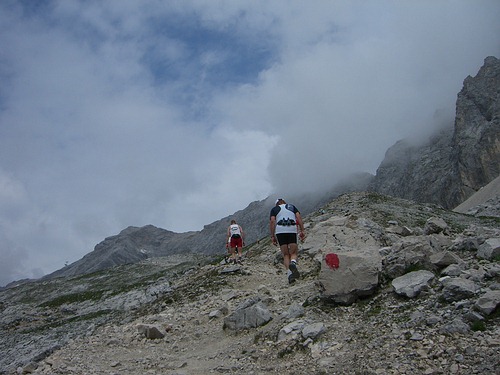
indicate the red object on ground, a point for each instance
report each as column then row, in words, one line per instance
column 332, row 260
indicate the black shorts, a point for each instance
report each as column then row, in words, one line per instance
column 286, row 238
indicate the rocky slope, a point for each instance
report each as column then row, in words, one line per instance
column 432, row 310
column 457, row 161
column 485, row 202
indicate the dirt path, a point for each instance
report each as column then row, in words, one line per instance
column 196, row 342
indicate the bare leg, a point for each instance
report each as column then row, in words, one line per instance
column 286, row 255
column 292, row 250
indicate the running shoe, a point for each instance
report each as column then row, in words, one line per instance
column 295, row 272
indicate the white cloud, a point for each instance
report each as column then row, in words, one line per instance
column 131, row 113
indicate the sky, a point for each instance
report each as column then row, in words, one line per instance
column 178, row 113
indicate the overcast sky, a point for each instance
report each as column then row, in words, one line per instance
column 179, row 113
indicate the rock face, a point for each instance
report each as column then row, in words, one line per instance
column 457, row 161
column 476, row 140
column 420, row 302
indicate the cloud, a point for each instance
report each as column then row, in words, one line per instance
column 361, row 80
column 131, row 113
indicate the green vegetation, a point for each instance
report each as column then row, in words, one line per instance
column 94, row 295
column 478, row 325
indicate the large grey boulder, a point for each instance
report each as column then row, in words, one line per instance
column 490, row 249
column 252, row 313
column 408, row 252
column 356, row 275
column 313, row 330
column 444, row 259
column 435, row 225
column 457, row 288
column 488, row 302
column 411, row 284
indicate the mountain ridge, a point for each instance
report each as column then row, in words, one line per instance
column 459, row 159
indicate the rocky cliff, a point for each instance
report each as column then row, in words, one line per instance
column 387, row 286
column 457, row 161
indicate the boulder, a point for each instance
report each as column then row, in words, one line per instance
column 411, row 284
column 356, row 275
column 313, row 330
column 488, row 302
column 445, row 259
column 457, row 325
column 292, row 329
column 457, row 288
column 490, row 249
column 250, row 314
column 150, row 331
column 408, row 252
column 435, row 225
column 452, row 270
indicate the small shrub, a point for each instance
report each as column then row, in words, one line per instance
column 478, row 325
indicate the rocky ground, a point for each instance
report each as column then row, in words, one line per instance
column 382, row 334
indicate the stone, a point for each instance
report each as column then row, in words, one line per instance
column 457, row 288
column 250, row 314
column 313, row 330
column 444, row 259
column 293, row 312
column 490, row 249
column 357, row 276
column 150, row 331
column 452, row 270
column 488, row 302
column 457, row 325
column 411, row 284
column 293, row 328
column 435, row 225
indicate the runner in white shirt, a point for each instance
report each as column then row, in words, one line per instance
column 283, row 223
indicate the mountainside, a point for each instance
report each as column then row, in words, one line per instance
column 388, row 286
column 457, row 161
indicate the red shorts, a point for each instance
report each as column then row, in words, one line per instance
column 236, row 242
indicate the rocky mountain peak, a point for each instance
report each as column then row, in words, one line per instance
column 457, row 161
